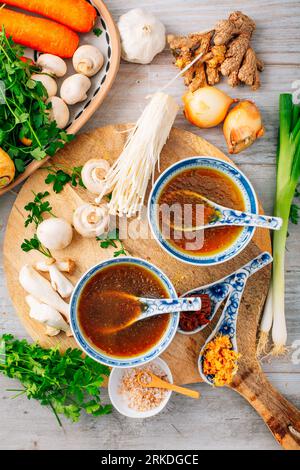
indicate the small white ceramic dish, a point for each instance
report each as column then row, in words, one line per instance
column 120, row 402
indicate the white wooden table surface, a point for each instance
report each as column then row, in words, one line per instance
column 221, row 419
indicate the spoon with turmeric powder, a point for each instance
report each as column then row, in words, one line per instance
column 218, row 358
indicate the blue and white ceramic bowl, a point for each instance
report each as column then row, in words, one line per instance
column 241, row 181
column 90, row 349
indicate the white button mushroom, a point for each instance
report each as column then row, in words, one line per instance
column 48, row 82
column 74, row 89
column 55, row 233
column 93, row 173
column 91, row 221
column 58, row 112
column 52, row 65
column 88, row 60
column 47, row 315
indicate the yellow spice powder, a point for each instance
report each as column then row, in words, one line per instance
column 220, row 360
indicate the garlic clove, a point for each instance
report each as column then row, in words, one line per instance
column 242, row 126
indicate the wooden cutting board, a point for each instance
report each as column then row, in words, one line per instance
column 282, row 418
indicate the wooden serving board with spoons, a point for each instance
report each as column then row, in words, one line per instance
column 282, row 418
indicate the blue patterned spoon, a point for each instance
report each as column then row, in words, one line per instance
column 226, row 325
column 131, row 309
column 220, row 215
column 218, row 291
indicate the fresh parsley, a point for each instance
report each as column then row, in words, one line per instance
column 59, row 178
column 97, row 32
column 112, row 239
column 68, row 383
column 37, row 208
column 24, row 115
column 35, row 244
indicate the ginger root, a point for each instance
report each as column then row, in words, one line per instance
column 227, row 51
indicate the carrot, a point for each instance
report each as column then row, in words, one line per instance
column 38, row 33
column 76, row 14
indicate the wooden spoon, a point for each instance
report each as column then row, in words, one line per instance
column 157, row 382
column 220, row 215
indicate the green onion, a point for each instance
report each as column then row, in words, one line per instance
column 288, row 174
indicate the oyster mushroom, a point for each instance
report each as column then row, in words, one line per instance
column 66, row 265
column 90, row 220
column 47, row 315
column 59, row 282
column 93, row 173
column 52, row 65
column 37, row 286
column 88, row 60
column 55, row 233
column 58, row 112
column 74, row 89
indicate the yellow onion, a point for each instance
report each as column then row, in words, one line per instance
column 206, row 107
column 242, row 126
column 7, row 169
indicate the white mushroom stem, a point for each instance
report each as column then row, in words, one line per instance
column 66, row 265
column 59, row 282
column 45, row 314
column 37, row 286
column 88, row 60
column 90, row 220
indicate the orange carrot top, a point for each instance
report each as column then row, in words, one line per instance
column 39, row 33
column 78, row 15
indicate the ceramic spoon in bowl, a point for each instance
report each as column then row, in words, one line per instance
column 218, row 291
column 216, row 215
column 226, row 325
column 132, row 309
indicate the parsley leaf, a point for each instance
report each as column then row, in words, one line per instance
column 59, row 178
column 97, row 32
column 35, row 244
column 37, row 208
column 112, row 239
column 68, row 383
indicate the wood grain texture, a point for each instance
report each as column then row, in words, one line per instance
column 222, row 419
column 182, row 354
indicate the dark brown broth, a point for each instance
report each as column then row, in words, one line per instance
column 215, row 186
column 96, row 310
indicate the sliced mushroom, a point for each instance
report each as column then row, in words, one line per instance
column 52, row 65
column 93, row 173
column 47, row 315
column 88, row 60
column 90, row 220
column 66, row 265
column 49, row 83
column 55, row 233
column 59, row 282
column 37, row 286
column 58, row 112
column 74, row 89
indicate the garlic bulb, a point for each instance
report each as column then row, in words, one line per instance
column 206, row 107
column 91, row 221
column 93, row 173
column 242, row 126
column 142, row 36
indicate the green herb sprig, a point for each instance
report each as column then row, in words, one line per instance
column 68, row 383
column 59, row 178
column 35, row 244
column 113, row 239
column 24, row 113
column 37, row 208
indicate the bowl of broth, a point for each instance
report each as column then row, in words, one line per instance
column 97, row 308
column 218, row 181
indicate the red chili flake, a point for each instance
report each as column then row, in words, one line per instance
column 189, row 321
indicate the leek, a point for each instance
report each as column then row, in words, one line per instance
column 288, row 174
